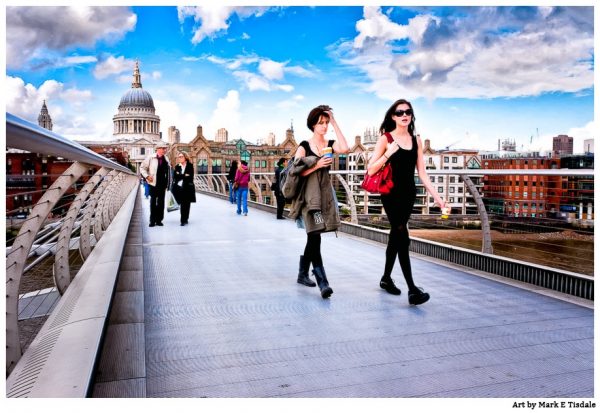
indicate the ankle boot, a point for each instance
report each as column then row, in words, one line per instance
column 417, row 296
column 319, row 273
column 387, row 283
column 303, row 273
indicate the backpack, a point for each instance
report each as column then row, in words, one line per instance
column 288, row 185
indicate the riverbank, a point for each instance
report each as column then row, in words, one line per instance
column 450, row 234
column 567, row 250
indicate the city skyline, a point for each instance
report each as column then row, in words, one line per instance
column 475, row 75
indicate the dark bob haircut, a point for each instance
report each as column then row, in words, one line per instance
column 315, row 115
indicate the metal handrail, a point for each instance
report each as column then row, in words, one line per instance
column 21, row 134
column 353, row 197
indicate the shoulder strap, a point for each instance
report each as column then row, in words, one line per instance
column 389, row 137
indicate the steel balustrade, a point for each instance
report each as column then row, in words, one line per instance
column 567, row 282
column 101, row 197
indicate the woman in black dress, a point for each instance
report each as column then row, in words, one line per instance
column 403, row 149
column 183, row 185
column 317, row 146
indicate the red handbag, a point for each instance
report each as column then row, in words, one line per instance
column 381, row 181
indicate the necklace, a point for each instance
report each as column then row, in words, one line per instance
column 318, row 148
column 399, row 142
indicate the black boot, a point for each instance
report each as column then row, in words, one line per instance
column 319, row 273
column 387, row 283
column 303, row 273
column 417, row 296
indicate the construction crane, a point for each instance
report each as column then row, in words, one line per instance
column 452, row 144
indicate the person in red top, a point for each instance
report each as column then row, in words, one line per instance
column 242, row 177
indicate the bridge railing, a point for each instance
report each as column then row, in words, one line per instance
column 527, row 236
column 81, row 216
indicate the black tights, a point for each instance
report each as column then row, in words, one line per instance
column 398, row 244
column 312, row 251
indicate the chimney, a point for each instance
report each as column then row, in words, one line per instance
column 357, row 140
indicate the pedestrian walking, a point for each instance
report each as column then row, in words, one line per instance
column 242, row 178
column 402, row 148
column 315, row 202
column 156, row 170
column 231, row 179
column 276, row 188
column 183, row 185
column 146, row 188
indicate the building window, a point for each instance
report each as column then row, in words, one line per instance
column 142, row 151
column 451, row 189
column 440, row 179
column 432, row 178
column 264, row 164
column 451, row 199
column 257, row 164
column 454, row 159
column 452, row 179
column 446, row 159
column 460, row 199
column 440, row 189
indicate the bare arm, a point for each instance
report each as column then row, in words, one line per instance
column 422, row 172
column 381, row 154
column 340, row 145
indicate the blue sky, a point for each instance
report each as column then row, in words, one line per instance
column 474, row 74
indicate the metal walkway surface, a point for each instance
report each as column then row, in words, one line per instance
column 224, row 317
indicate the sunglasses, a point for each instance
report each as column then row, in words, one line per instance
column 407, row 112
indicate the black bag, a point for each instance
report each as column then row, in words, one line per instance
column 274, row 186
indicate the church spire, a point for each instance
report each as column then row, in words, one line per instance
column 137, row 78
column 44, row 119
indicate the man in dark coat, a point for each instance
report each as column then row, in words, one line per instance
column 278, row 195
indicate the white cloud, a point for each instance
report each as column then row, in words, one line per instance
column 113, row 66
column 215, row 20
column 270, row 69
column 579, row 134
column 293, row 102
column 226, row 115
column 257, row 73
column 67, row 107
column 156, row 75
column 39, row 35
column 474, row 53
column 251, row 81
column 172, row 115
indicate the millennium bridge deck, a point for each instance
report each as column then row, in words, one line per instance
column 224, row 317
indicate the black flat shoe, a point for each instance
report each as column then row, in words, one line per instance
column 418, row 296
column 151, row 224
column 389, row 286
column 160, row 224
